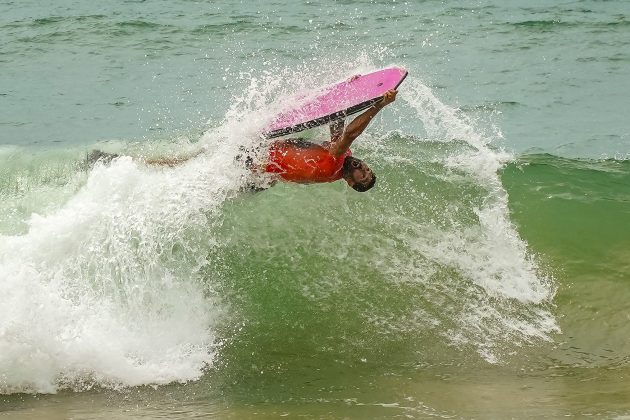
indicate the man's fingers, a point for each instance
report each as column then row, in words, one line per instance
column 389, row 96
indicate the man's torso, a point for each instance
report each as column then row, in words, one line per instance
column 304, row 162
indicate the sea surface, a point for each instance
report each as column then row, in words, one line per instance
column 487, row 275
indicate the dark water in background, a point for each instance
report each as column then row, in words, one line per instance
column 486, row 276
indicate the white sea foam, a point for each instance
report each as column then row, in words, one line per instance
column 490, row 254
column 106, row 290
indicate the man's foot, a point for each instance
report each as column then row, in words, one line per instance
column 99, row 156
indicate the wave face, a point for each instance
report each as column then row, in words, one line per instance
column 559, row 202
column 130, row 274
column 429, row 264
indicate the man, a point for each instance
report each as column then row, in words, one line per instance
column 296, row 160
column 304, row 162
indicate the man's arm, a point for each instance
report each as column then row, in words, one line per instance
column 339, row 146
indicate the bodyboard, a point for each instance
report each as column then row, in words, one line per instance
column 336, row 101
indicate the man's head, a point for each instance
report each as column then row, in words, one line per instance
column 357, row 174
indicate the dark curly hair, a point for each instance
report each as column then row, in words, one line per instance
column 363, row 188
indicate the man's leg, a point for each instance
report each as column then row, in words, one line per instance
column 99, row 156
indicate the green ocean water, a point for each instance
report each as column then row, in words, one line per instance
column 486, row 275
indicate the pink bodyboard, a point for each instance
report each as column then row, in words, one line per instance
column 336, row 101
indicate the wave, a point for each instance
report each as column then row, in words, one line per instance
column 572, row 210
column 137, row 275
column 545, row 25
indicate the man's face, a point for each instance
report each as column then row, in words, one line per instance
column 358, row 171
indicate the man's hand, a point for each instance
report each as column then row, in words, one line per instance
column 389, row 97
column 356, row 127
